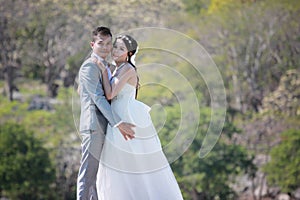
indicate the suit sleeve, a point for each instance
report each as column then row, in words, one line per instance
column 89, row 76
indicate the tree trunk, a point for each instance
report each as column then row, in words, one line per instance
column 9, row 79
column 52, row 87
column 235, row 81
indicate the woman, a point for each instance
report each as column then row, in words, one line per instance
column 131, row 168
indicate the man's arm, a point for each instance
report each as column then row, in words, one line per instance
column 89, row 75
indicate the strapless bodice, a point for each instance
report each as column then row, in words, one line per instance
column 128, row 92
column 129, row 109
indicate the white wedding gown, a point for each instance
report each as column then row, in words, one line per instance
column 135, row 169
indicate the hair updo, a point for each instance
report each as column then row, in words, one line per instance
column 131, row 45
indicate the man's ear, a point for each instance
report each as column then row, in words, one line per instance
column 92, row 44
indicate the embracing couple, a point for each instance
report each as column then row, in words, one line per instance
column 122, row 157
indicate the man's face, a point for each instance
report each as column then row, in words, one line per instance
column 102, row 45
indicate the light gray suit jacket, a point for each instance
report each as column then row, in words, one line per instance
column 95, row 109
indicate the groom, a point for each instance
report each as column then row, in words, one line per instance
column 95, row 113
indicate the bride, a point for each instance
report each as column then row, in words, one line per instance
column 131, row 169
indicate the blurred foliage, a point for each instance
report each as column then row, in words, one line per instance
column 208, row 177
column 253, row 42
column 55, row 130
column 283, row 169
column 26, row 170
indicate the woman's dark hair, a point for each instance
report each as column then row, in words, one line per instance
column 131, row 45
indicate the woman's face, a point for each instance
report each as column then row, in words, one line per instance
column 119, row 52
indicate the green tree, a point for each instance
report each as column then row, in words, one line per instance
column 252, row 42
column 211, row 177
column 283, row 169
column 25, row 168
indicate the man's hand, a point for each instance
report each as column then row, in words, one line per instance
column 127, row 130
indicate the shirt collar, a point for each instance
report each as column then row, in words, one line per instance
column 98, row 57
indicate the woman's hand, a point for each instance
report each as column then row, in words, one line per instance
column 99, row 64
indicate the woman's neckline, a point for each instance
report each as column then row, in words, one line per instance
column 121, row 66
column 130, row 85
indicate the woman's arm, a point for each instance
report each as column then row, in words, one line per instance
column 120, row 80
column 112, row 68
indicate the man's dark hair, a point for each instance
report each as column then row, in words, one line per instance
column 101, row 30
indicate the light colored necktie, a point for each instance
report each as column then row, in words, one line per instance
column 108, row 70
column 105, row 64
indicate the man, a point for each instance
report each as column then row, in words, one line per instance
column 95, row 113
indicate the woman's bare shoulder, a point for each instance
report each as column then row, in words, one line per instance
column 129, row 67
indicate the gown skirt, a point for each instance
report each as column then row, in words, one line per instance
column 135, row 169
